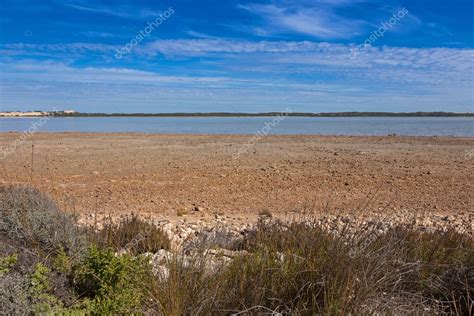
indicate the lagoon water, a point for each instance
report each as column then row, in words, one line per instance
column 416, row 126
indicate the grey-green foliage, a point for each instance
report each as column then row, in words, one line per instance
column 13, row 295
column 31, row 218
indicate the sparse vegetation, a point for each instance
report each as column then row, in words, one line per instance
column 288, row 268
column 265, row 213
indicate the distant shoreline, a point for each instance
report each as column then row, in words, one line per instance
column 229, row 114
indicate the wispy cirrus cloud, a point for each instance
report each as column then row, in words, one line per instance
column 50, row 71
column 319, row 22
column 46, row 82
column 122, row 11
column 275, row 56
column 322, row 19
column 443, row 60
column 316, row 74
column 59, row 51
column 77, row 47
column 94, row 34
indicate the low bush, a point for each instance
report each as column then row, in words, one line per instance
column 14, row 295
column 41, row 292
column 30, row 218
column 110, row 283
column 35, row 293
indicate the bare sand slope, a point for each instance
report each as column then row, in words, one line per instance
column 160, row 174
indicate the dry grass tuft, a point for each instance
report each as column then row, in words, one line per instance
column 133, row 234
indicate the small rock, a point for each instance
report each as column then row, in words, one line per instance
column 346, row 219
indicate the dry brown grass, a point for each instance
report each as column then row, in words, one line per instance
column 302, row 269
column 132, row 234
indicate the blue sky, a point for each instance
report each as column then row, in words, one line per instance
column 237, row 56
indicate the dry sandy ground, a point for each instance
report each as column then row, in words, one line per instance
column 161, row 174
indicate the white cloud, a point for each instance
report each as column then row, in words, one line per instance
column 48, row 71
column 392, row 64
column 200, row 35
column 319, row 22
column 311, row 52
column 121, row 11
column 248, row 73
column 437, row 63
column 99, row 34
column 324, row 19
column 60, row 49
column 196, row 47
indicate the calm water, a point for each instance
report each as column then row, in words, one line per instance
column 426, row 126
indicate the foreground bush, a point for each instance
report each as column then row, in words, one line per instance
column 37, row 292
column 30, row 218
column 111, row 284
column 296, row 268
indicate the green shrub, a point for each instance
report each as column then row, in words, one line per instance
column 7, row 263
column 32, row 219
column 40, row 290
column 63, row 263
column 39, row 280
column 112, row 284
column 133, row 234
column 42, row 295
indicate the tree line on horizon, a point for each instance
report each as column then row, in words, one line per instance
column 300, row 114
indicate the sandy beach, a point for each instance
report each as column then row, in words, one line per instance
column 162, row 174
